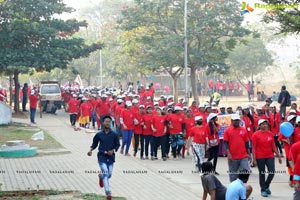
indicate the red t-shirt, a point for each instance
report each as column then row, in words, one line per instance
column 102, row 107
column 275, row 123
column 236, row 138
column 128, row 118
column 294, row 155
column 296, row 134
column 199, row 134
column 138, row 128
column 176, row 121
column 248, row 125
column 33, row 101
column 263, row 144
column 147, row 121
column 194, row 109
column 85, row 109
column 134, row 109
column 159, row 123
column 189, row 124
column 213, row 135
column 73, row 106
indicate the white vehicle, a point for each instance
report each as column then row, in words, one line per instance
column 50, row 93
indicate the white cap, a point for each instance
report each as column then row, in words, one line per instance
column 213, row 104
column 214, row 108
column 272, row 105
column 110, row 99
column 289, row 118
column 149, row 106
column 201, row 105
column 84, row 99
column 235, row 117
column 211, row 116
column 155, row 103
column 206, row 103
column 297, row 119
column 119, row 100
column 198, row 118
column 130, row 95
column 135, row 101
column 181, row 98
column 128, row 103
column 244, row 107
column 148, row 97
column 32, row 92
column 171, row 103
column 177, row 108
column 185, row 107
column 103, row 96
column 292, row 111
column 141, row 106
column 74, row 95
column 222, row 106
column 261, row 121
column 258, row 108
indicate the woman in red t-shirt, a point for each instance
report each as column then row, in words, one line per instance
column 147, row 131
column 159, row 129
column 263, row 155
column 189, row 124
column 198, row 136
column 275, row 121
column 138, row 130
column 127, row 122
column 212, row 139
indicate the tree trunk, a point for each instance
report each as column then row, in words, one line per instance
column 194, row 84
column 175, row 89
column 17, row 89
column 10, row 90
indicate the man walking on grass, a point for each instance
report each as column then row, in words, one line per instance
column 109, row 143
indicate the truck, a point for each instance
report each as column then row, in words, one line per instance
column 50, row 93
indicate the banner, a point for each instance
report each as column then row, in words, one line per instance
column 224, row 121
column 78, row 81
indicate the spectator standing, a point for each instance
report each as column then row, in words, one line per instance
column 284, row 100
column 25, row 97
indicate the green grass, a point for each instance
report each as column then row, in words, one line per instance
column 18, row 133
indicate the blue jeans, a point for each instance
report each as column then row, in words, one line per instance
column 32, row 114
column 106, row 173
column 127, row 135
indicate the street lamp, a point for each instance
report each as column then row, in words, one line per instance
column 185, row 50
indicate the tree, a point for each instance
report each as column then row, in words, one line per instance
column 213, row 29
column 31, row 37
column 288, row 18
column 247, row 60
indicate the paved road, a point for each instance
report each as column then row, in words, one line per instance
column 132, row 178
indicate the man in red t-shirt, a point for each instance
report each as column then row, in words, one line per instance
column 236, row 142
column 33, row 99
column 102, row 109
column 294, row 159
column 176, row 127
column 73, row 109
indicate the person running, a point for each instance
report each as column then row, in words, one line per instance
column 294, row 159
column 189, row 124
column 263, row 155
column 212, row 139
column 108, row 142
column 159, row 129
column 211, row 184
column 138, row 131
column 176, row 127
column 73, row 105
column 127, row 122
column 275, row 121
column 236, row 142
column 148, row 132
column 198, row 136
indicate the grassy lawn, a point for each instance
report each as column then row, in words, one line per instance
column 43, row 195
column 17, row 132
